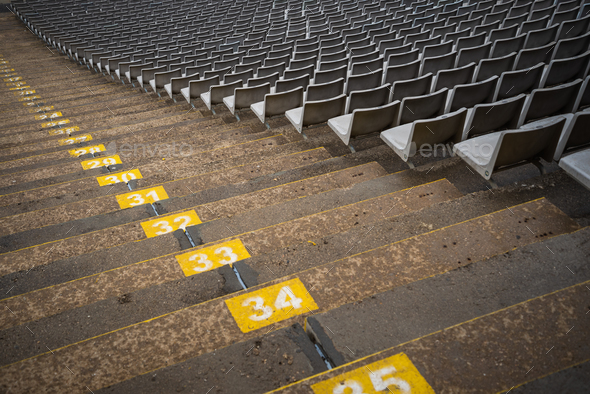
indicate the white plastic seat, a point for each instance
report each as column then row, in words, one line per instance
column 577, row 165
column 495, row 116
column 243, row 97
column 316, row 112
column 277, row 104
column 364, row 81
column 407, row 139
column 551, row 101
column 368, row 98
column 576, row 134
column 452, row 77
column 195, row 88
column 423, row 107
column 177, row 84
column 492, row 152
column 216, row 93
column 324, row 91
column 365, row 121
column 161, row 79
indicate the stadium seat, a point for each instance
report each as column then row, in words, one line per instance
column 470, row 94
column 365, row 121
column 513, row 83
column 277, row 104
column 407, row 139
column 195, row 88
column 437, row 63
column 423, row 107
column 576, row 134
column 368, row 98
column 161, row 79
column 324, row 91
column 402, row 72
column 364, row 81
column 316, row 112
column 551, row 101
column 500, row 150
column 452, row 77
column 177, row 84
column 498, row 115
column 570, row 47
column 243, row 97
column 565, row 70
column 487, row 68
column 216, row 93
column 473, row 54
column 577, row 165
column 411, row 87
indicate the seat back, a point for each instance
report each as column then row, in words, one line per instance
column 238, row 76
column 527, row 26
column 368, row 98
column 470, row 41
column 438, row 130
column 469, row 95
column 484, row 118
column 270, row 79
column 489, row 67
column 540, row 37
column 529, row 143
column 247, row 66
column 576, row 135
column 290, row 84
column 506, row 46
column 371, row 120
column 402, row 72
column 163, row 78
column 221, row 72
column 266, row 71
column 273, row 61
column 527, row 58
column 279, row 103
column 364, row 81
column 291, row 74
column 196, row 88
column 218, row 92
column 423, row 107
column 513, row 83
column 570, row 47
column 456, row 76
column 331, row 75
column 315, row 112
column 325, row 91
column 182, row 82
column 402, row 58
column 565, row 70
column 331, row 65
column 473, row 54
column 550, row 101
column 437, row 63
column 368, row 66
column 437, row 50
column 411, row 87
column 573, row 28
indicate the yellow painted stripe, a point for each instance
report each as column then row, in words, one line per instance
column 87, row 149
column 100, row 162
column 76, row 139
column 55, row 123
column 29, row 98
column 167, row 224
column 51, row 115
column 120, row 177
column 212, row 257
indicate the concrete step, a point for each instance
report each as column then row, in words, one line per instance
column 388, row 319
column 493, row 353
column 494, row 234
column 159, row 283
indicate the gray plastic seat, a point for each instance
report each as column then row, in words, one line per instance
column 452, row 77
column 513, row 83
column 402, row 72
column 241, row 76
column 473, row 54
column 270, row 79
column 411, row 87
column 470, row 41
column 550, row 101
column 365, row 121
column 574, row 27
column 577, row 165
column 498, row 115
column 489, row 67
column 583, row 99
column 216, row 93
column 471, row 94
column 277, row 104
column 492, row 152
column 423, row 107
column 243, row 97
column 292, row 74
column 527, row 26
column 437, row 50
column 368, row 66
column 324, row 91
column 364, row 81
column 570, row 47
column 576, row 134
column 161, row 79
column 540, row 37
column 247, row 66
column 437, row 63
column 176, row 84
column 402, row 58
column 332, row 65
column 221, row 73
column 195, row 88
column 506, row 46
column 316, row 112
column 266, row 71
column 407, row 139
column 147, row 74
column 290, row 84
column 565, row 70
column 330, row 75
column 198, row 69
column 368, row 98
column 527, row 58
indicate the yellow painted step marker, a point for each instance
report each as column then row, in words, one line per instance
column 140, row 197
column 100, row 162
column 167, row 224
column 75, row 140
column 212, row 257
column 29, row 98
column 86, row 149
column 39, row 109
column 51, row 115
column 25, row 92
column 119, row 177
column 20, row 88
column 54, row 123
column 13, row 79
column 395, row 374
column 64, row 130
column 270, row 304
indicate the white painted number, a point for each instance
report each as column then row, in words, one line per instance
column 137, row 199
column 266, row 311
column 227, row 252
column 207, row 264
